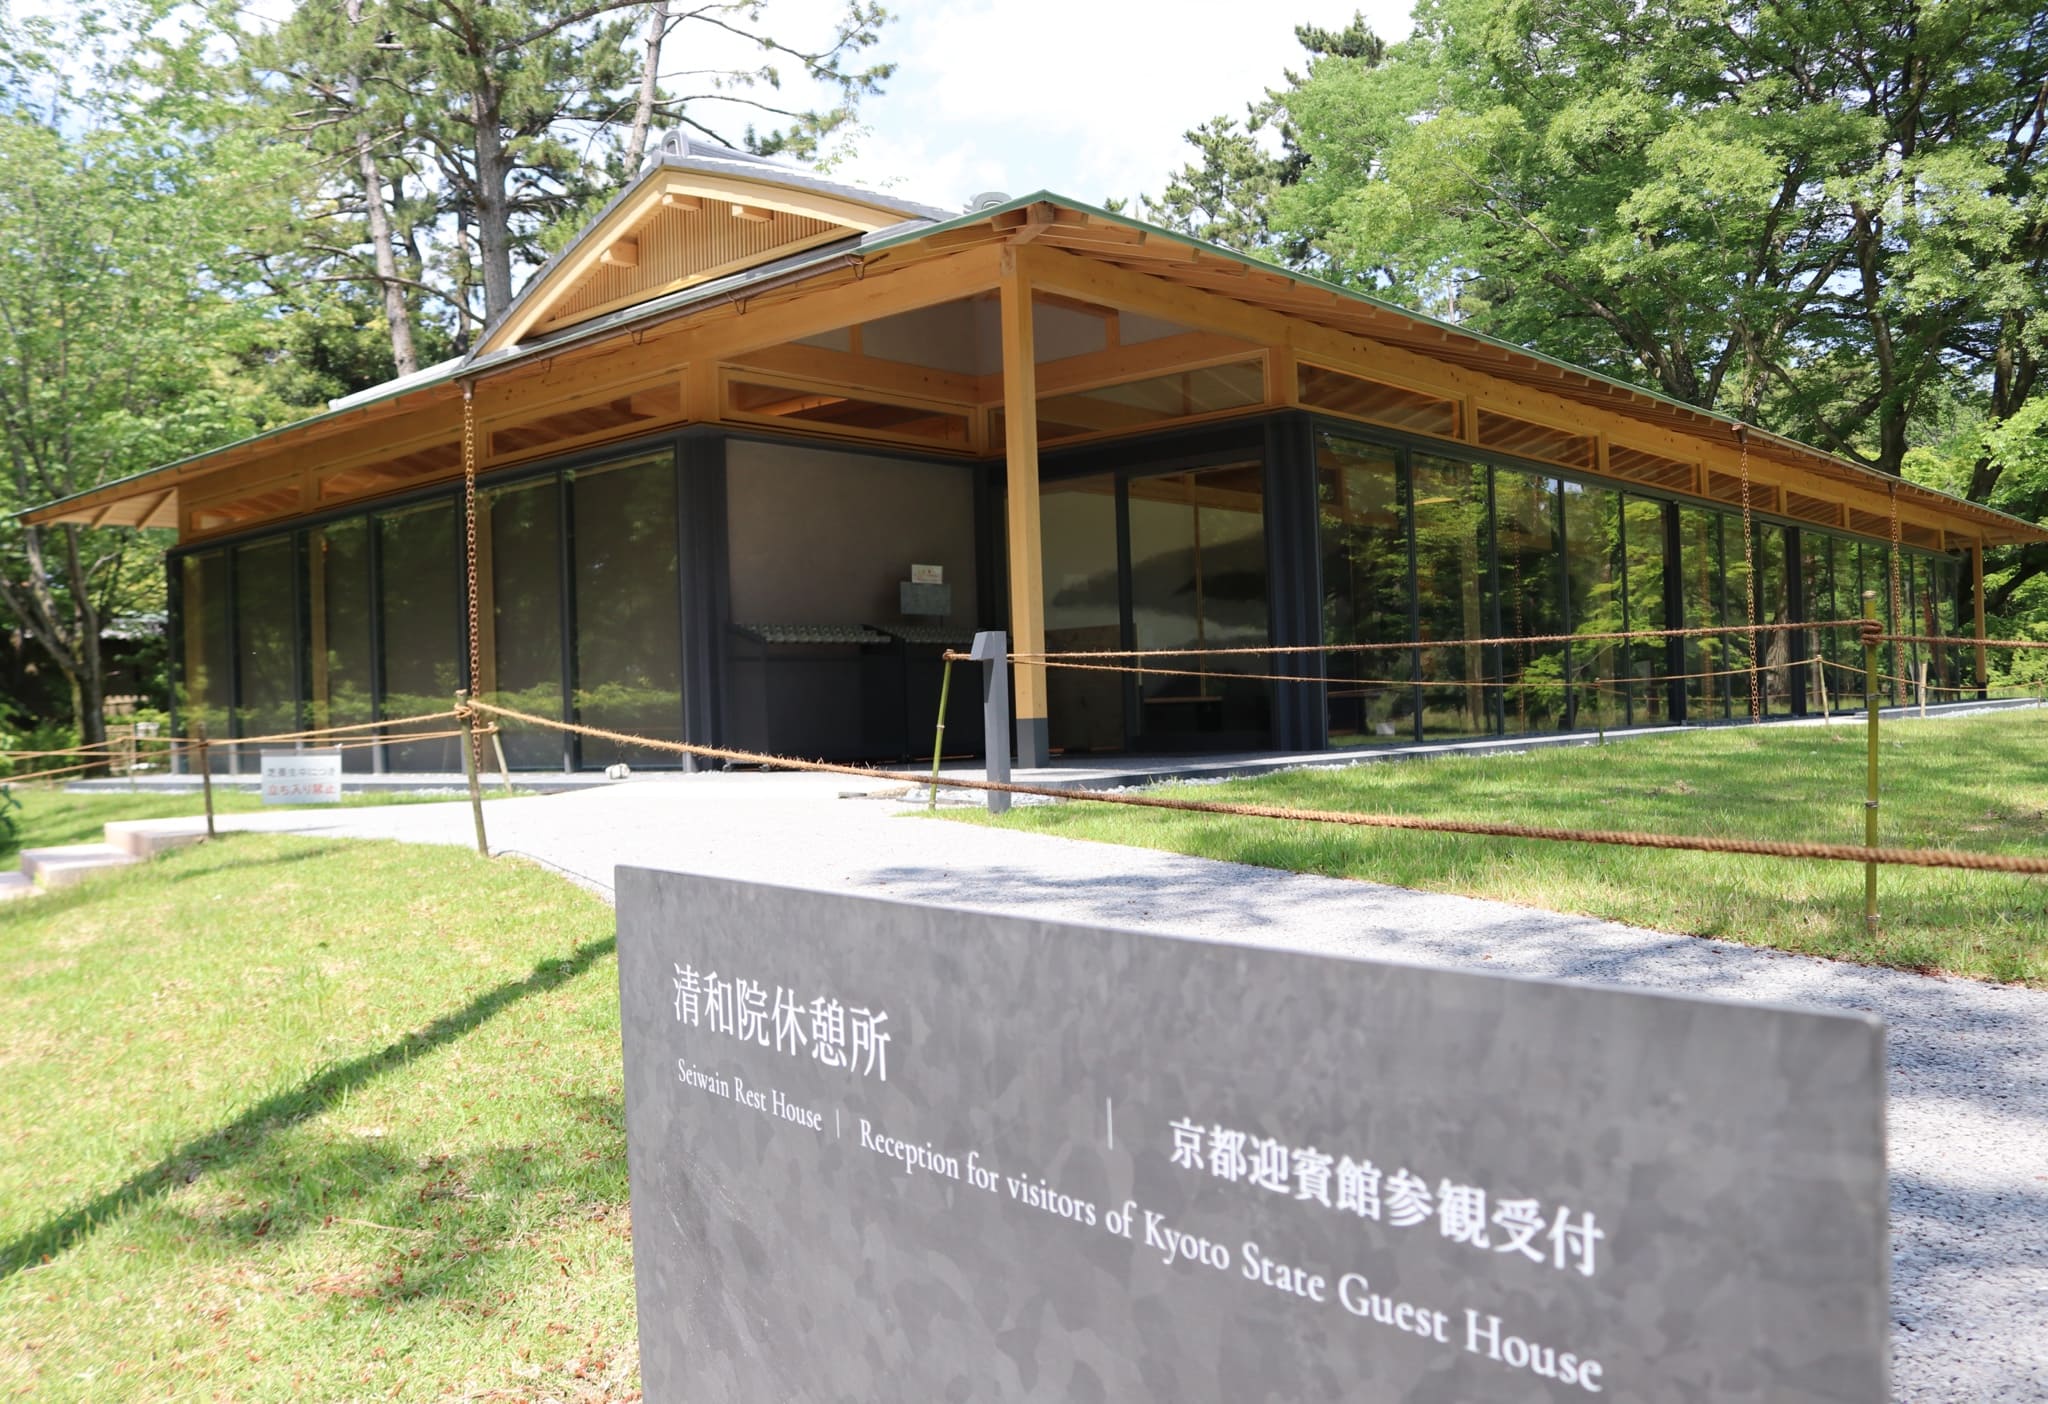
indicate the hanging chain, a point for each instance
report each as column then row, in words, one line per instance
column 1756, row 710
column 469, row 548
column 1898, row 619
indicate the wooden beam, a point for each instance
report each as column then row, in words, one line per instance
column 624, row 254
column 1027, row 565
column 752, row 214
column 848, row 370
column 1116, row 364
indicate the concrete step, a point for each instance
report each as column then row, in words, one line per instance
column 145, row 838
column 61, row 867
column 13, row 885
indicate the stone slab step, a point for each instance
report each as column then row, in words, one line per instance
column 13, row 885
column 145, row 838
column 63, row 866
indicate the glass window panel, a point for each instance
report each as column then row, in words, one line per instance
column 1706, row 587
column 338, row 585
column 266, row 634
column 1592, row 536
column 1083, row 611
column 518, row 548
column 420, row 570
column 207, row 689
column 1648, row 697
column 1364, row 542
column 1530, row 582
column 629, row 654
column 1773, row 606
column 1449, row 499
column 1198, row 581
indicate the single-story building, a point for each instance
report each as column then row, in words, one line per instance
column 756, row 447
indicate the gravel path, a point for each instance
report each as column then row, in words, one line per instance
column 1969, row 1061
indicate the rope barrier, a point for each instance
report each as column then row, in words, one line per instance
column 1762, row 848
column 1274, row 650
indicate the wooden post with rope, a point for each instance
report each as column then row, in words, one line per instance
column 1870, row 711
column 205, row 773
column 472, row 741
column 469, row 769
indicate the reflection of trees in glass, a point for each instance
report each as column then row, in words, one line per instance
column 420, row 565
column 266, row 632
column 207, row 687
column 1450, row 556
column 1364, row 545
column 628, row 615
column 1529, row 544
column 1643, row 531
column 338, row 582
column 1592, row 526
column 519, row 571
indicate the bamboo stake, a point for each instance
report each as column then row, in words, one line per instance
column 939, row 735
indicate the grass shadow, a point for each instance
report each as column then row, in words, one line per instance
column 238, row 1140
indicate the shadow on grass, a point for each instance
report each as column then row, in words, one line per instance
column 243, row 1137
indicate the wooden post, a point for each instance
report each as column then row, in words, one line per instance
column 1922, row 678
column 1820, row 672
column 205, row 775
column 1027, row 565
column 469, row 748
column 504, row 770
column 1870, row 710
column 1977, row 595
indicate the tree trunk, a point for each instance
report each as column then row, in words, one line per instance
column 396, row 314
column 493, row 213
column 650, row 70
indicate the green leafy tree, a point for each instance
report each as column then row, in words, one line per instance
column 454, row 143
column 123, row 344
column 1226, row 194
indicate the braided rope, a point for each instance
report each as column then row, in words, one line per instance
column 1762, row 848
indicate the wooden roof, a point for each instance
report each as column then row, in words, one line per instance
column 628, row 328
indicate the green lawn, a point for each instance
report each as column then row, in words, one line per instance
column 288, row 1118
column 1974, row 783
column 48, row 817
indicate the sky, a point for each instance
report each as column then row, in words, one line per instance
column 1089, row 98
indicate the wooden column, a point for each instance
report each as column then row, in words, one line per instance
column 1027, row 562
column 1977, row 596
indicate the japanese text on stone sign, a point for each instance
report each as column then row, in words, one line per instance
column 837, row 1035
column 1402, row 1200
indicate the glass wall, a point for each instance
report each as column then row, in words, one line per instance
column 342, row 682
column 1198, row 581
column 519, row 570
column 629, row 666
column 419, row 578
column 1083, row 611
column 1364, row 542
column 266, row 636
column 1647, row 699
column 1529, row 590
column 1596, row 604
column 208, row 691
column 1451, row 552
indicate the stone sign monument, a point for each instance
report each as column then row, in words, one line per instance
column 891, row 1152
